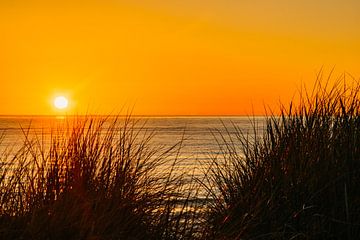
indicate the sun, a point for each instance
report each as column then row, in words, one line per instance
column 61, row 102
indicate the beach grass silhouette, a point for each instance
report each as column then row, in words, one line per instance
column 299, row 180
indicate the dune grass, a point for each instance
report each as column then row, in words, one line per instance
column 300, row 179
column 93, row 181
column 101, row 178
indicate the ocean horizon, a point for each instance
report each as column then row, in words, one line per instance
column 199, row 136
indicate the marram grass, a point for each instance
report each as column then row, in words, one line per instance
column 300, row 179
column 94, row 181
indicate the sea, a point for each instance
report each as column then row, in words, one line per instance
column 201, row 138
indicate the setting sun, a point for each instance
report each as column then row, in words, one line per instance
column 61, row 102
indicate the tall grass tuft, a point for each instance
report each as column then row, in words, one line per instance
column 300, row 179
column 96, row 179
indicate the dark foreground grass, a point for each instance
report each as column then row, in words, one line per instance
column 300, row 180
column 96, row 180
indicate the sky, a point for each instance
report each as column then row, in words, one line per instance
column 179, row 57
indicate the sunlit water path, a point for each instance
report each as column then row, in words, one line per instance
column 196, row 134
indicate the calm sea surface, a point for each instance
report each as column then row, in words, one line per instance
column 199, row 133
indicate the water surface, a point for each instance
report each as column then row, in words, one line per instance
column 197, row 134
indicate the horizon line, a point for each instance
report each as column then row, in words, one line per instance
column 134, row 115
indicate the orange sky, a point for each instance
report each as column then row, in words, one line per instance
column 180, row 57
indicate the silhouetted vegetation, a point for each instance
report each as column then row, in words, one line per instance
column 101, row 179
column 96, row 181
column 300, row 180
